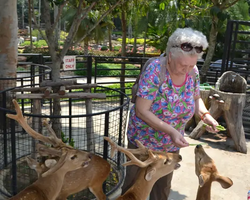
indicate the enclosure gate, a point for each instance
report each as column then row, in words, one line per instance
column 238, row 33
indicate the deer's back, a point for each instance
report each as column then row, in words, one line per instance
column 30, row 193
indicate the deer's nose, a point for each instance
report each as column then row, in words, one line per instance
column 198, row 146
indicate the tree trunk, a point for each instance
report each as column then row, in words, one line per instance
column 86, row 46
column 124, row 36
column 145, row 37
column 210, row 53
column 8, row 49
column 56, row 122
column 30, row 22
column 110, row 38
column 57, row 31
column 8, row 43
column 135, row 34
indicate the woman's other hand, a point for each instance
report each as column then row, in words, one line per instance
column 208, row 119
column 179, row 140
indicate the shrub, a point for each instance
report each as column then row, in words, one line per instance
column 117, row 48
column 107, row 69
column 35, row 32
column 104, row 48
column 131, row 40
column 63, row 35
column 104, row 53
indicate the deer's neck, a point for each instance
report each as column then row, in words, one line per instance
column 141, row 188
column 52, row 184
column 204, row 193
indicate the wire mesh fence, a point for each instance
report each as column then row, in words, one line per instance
column 78, row 126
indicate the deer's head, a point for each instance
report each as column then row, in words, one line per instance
column 206, row 170
column 67, row 156
column 157, row 164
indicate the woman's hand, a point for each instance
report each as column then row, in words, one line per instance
column 208, row 119
column 179, row 140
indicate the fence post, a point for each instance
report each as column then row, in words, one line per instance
column 89, row 69
column 13, row 157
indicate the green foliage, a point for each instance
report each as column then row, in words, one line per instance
column 117, row 33
column 63, row 35
column 35, row 32
column 66, row 140
column 104, row 53
column 37, row 44
column 128, row 87
column 116, row 48
column 131, row 40
column 104, row 48
column 106, row 69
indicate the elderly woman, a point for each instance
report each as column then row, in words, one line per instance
column 162, row 110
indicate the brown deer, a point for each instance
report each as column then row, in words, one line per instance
column 207, row 172
column 91, row 176
column 48, row 186
column 154, row 165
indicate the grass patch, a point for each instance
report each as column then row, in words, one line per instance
column 106, row 69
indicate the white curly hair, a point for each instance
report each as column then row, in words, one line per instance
column 186, row 35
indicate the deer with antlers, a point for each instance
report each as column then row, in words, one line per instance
column 91, row 176
column 207, row 172
column 154, row 165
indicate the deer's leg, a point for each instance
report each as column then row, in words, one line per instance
column 62, row 197
column 98, row 191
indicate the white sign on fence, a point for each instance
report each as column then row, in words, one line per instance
column 69, row 62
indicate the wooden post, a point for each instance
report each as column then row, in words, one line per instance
column 89, row 125
column 229, row 104
column 37, row 124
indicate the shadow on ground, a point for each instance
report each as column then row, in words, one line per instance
column 175, row 195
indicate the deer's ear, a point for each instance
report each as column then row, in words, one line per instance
column 224, row 181
column 149, row 173
column 49, row 163
column 31, row 162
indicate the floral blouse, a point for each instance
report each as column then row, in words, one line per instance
column 173, row 104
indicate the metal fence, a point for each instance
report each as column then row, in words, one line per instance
column 109, row 117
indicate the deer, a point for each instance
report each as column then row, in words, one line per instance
column 49, row 184
column 207, row 172
column 92, row 176
column 153, row 164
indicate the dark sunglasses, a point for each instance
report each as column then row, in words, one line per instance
column 188, row 47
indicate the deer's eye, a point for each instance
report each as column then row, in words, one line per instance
column 167, row 161
column 73, row 157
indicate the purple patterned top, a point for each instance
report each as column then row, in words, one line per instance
column 171, row 103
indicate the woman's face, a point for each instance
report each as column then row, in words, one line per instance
column 183, row 64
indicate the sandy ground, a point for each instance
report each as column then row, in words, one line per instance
column 229, row 163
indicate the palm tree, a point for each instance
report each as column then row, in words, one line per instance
column 98, row 34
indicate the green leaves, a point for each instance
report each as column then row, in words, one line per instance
column 197, row 144
column 215, row 10
column 219, row 127
column 162, row 6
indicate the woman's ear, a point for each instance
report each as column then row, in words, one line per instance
column 169, row 57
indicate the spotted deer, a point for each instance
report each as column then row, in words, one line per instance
column 154, row 165
column 91, row 176
column 207, row 172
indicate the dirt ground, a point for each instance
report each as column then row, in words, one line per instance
column 229, row 163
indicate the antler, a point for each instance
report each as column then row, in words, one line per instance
column 134, row 161
column 141, row 150
column 21, row 120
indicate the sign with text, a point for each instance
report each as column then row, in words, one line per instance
column 69, row 62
